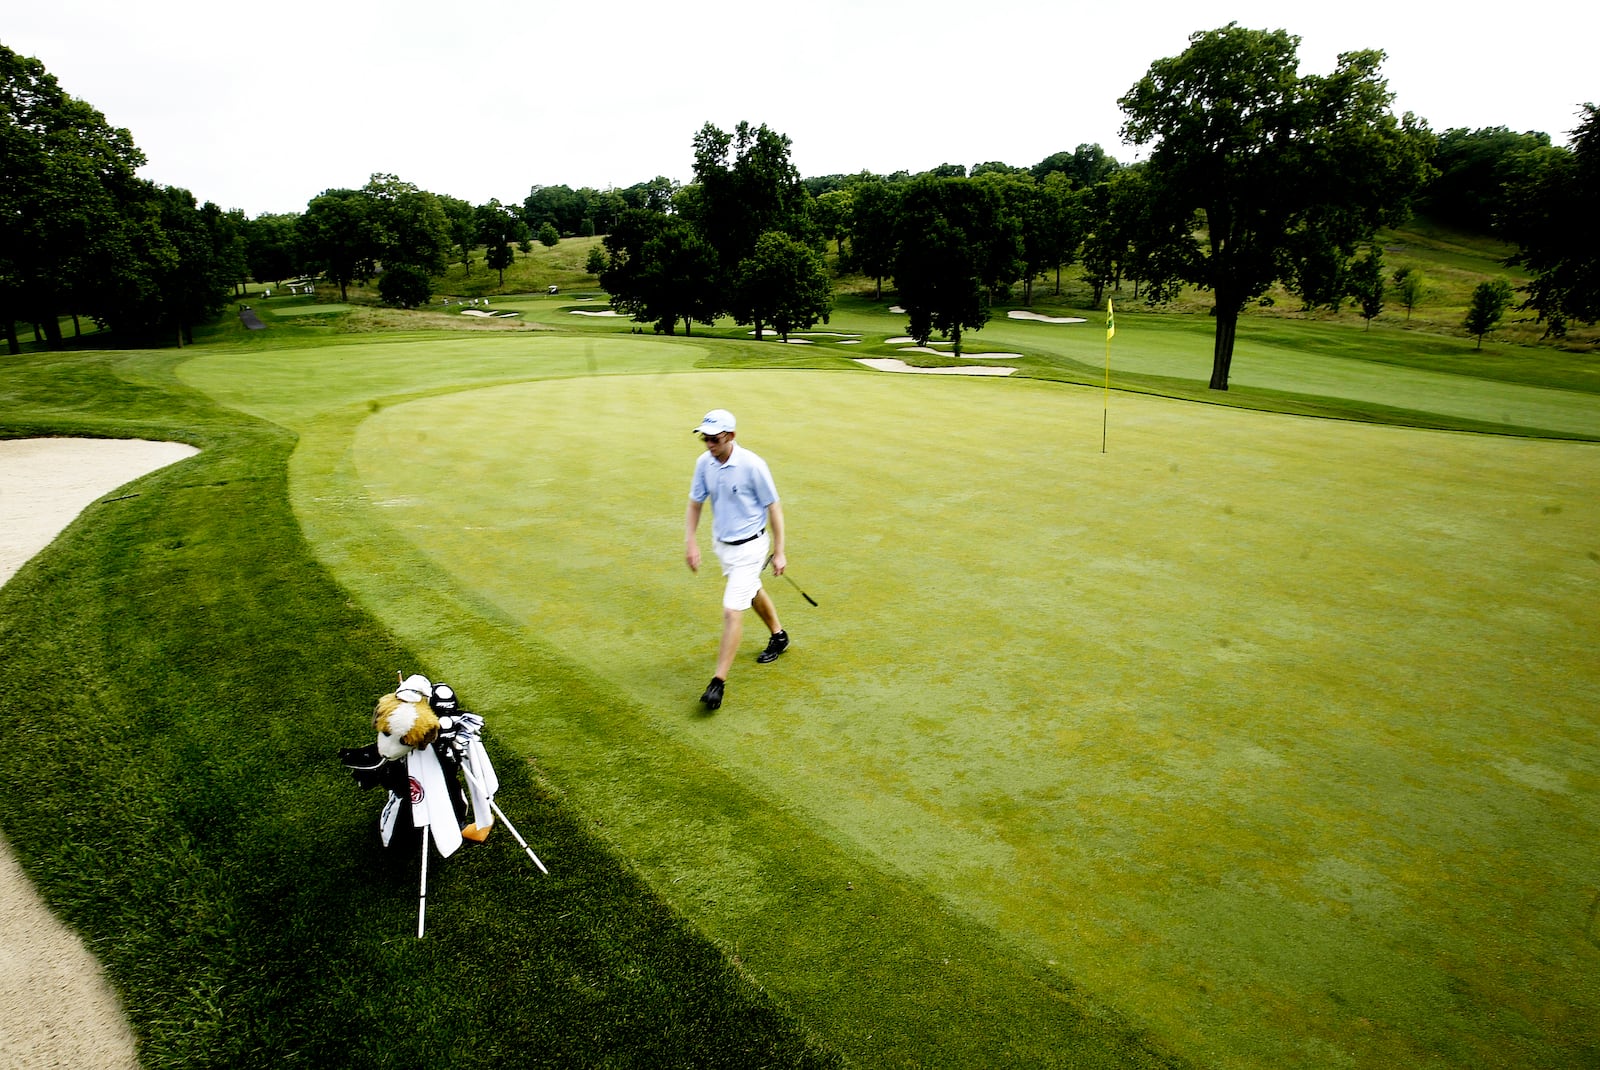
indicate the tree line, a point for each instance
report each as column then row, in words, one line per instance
column 1256, row 175
column 82, row 234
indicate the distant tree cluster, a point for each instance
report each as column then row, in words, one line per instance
column 389, row 226
column 1552, row 212
column 738, row 241
column 746, row 237
column 1256, row 176
column 82, row 235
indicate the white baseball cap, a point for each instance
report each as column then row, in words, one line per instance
column 716, row 422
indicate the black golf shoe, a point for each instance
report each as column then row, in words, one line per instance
column 713, row 696
column 775, row 646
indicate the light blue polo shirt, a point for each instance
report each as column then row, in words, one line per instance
column 740, row 492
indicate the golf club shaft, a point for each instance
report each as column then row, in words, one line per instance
column 422, row 898
column 796, row 586
column 506, row 820
column 793, row 584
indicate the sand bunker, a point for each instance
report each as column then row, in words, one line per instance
column 52, row 480
column 894, row 364
column 969, row 356
column 1018, row 314
column 807, row 334
column 58, row 1009
column 586, row 312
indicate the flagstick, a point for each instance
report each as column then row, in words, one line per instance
column 502, row 815
column 422, row 902
column 1105, row 412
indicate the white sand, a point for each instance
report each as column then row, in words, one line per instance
column 806, row 334
column 1018, row 314
column 894, row 364
column 57, row 1008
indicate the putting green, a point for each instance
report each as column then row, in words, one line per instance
column 1261, row 728
column 1278, row 735
column 308, row 310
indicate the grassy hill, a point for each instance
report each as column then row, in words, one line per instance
column 1451, row 262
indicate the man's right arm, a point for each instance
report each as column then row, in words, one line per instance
column 691, row 544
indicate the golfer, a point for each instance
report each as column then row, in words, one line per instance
column 747, row 525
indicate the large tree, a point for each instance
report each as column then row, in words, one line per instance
column 1086, row 166
column 747, row 187
column 499, row 255
column 410, row 225
column 1044, row 214
column 561, row 206
column 656, row 195
column 659, row 271
column 1061, row 223
column 337, row 239
column 873, row 205
column 67, row 178
column 954, row 244
column 784, row 283
column 830, row 214
column 272, row 246
column 169, row 266
column 211, row 260
column 1251, row 156
column 1467, row 191
column 1123, row 237
column 495, row 222
column 1552, row 213
column 461, row 222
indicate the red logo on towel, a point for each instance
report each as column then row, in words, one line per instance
column 417, row 794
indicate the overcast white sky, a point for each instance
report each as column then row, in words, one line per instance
column 262, row 106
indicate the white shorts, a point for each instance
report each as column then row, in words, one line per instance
column 742, row 565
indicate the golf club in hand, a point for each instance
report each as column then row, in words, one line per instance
column 793, row 584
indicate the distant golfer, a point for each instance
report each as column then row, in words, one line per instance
column 746, row 522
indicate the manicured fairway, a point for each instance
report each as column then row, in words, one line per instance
column 1276, row 735
column 1297, row 357
column 306, row 310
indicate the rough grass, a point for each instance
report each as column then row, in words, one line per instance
column 172, row 787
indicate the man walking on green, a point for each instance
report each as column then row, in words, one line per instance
column 746, row 522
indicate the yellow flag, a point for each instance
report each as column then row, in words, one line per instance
column 1111, row 321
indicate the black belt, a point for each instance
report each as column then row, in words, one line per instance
column 741, row 542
